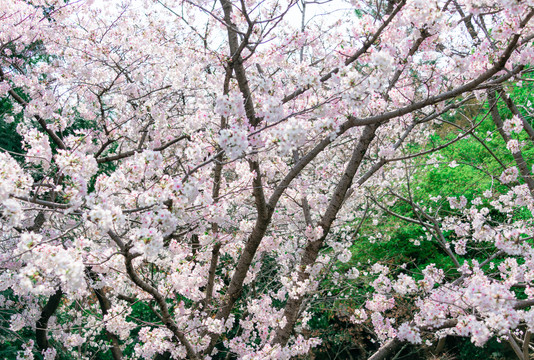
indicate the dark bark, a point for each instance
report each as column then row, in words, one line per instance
column 291, row 310
column 105, row 305
column 42, row 324
column 386, row 350
column 237, row 61
column 467, row 22
column 513, row 108
column 165, row 356
column 217, row 176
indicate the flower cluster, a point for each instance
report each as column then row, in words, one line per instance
column 234, row 141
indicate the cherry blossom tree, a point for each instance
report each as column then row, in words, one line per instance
column 208, row 160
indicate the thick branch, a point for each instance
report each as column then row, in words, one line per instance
column 217, row 176
column 237, row 61
column 105, row 305
column 513, row 108
column 42, row 324
column 311, row 251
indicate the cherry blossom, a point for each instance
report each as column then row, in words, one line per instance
column 214, row 161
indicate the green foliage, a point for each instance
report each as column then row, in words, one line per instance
column 492, row 350
column 10, row 140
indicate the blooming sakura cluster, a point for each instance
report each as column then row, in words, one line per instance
column 513, row 125
column 234, row 141
column 209, row 162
